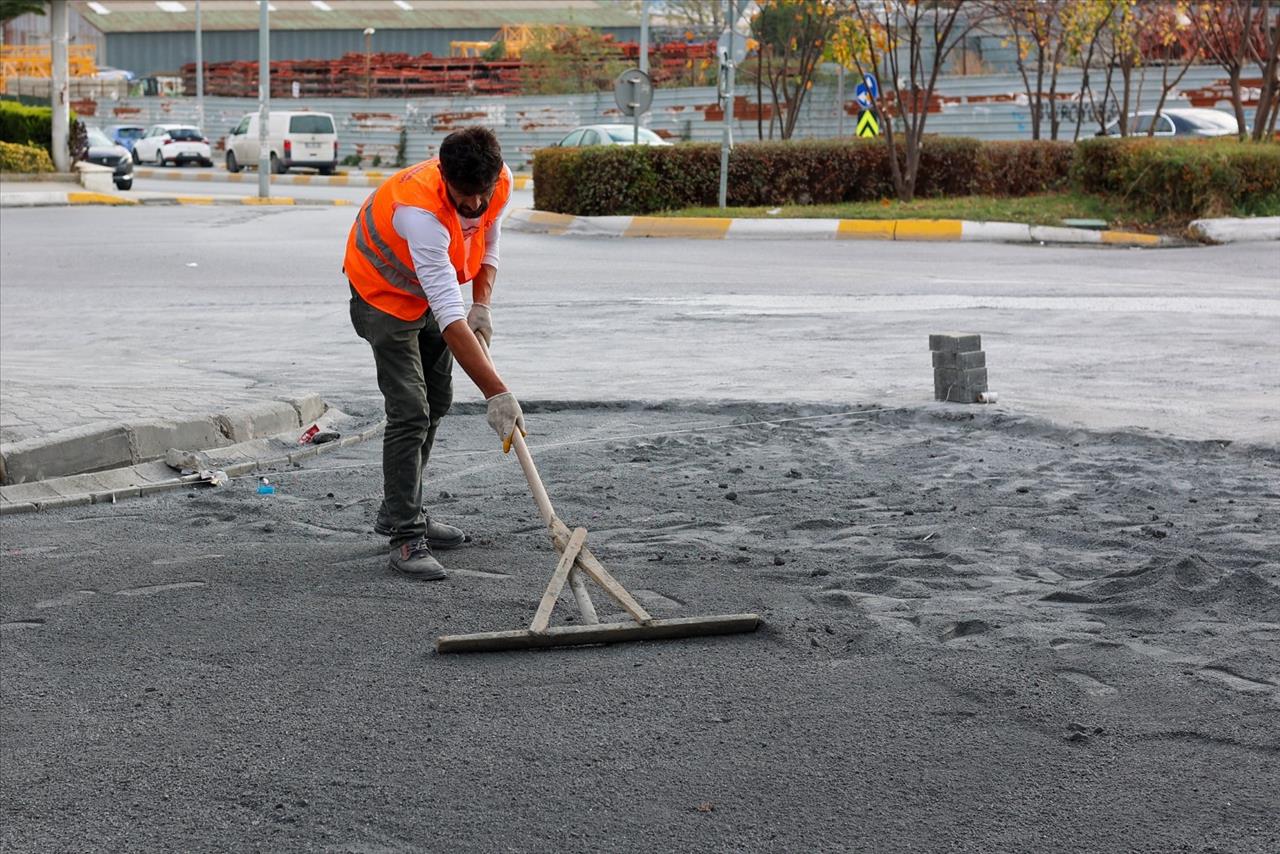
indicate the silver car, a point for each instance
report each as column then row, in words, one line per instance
column 1178, row 122
column 608, row 135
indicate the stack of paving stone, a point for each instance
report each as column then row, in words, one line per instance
column 959, row 367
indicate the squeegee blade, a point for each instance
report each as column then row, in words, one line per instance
column 677, row 627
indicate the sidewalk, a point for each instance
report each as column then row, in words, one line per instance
column 36, row 194
column 367, row 178
column 724, row 228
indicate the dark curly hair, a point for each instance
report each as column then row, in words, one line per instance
column 471, row 159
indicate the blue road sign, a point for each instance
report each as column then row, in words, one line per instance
column 872, row 85
column 863, row 96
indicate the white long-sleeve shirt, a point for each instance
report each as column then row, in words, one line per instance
column 428, row 241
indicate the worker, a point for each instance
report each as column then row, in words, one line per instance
column 424, row 233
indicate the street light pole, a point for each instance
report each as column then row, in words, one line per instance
column 264, row 100
column 644, row 35
column 368, row 73
column 199, row 71
column 58, row 91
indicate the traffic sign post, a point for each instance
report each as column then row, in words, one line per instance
column 633, row 93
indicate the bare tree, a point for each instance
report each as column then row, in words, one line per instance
column 1233, row 34
column 1167, row 35
column 1264, row 118
column 1038, row 36
column 906, row 45
column 699, row 18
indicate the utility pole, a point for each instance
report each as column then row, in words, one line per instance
column 368, row 54
column 644, row 35
column 840, row 102
column 264, row 100
column 727, row 69
column 199, row 71
column 58, row 91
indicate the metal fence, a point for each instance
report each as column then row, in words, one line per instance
column 987, row 107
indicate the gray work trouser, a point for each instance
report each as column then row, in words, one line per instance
column 415, row 373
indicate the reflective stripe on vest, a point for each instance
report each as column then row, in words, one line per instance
column 384, row 260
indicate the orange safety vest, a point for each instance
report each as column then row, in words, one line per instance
column 378, row 262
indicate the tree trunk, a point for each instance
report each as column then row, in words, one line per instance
column 1237, row 100
column 1269, row 99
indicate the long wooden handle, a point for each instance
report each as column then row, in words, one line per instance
column 526, row 462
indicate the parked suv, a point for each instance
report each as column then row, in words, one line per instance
column 106, row 152
column 295, row 139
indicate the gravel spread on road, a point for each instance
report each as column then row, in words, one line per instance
column 982, row 632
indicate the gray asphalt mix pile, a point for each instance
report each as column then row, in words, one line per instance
column 983, row 633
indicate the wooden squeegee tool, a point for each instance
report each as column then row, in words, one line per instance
column 576, row 561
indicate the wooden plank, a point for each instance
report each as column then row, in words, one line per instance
column 668, row 629
column 585, row 605
column 558, row 578
column 587, row 563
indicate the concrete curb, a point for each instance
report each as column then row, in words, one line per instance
column 353, row 179
column 1233, row 230
column 108, row 487
column 53, row 199
column 723, row 228
column 97, row 447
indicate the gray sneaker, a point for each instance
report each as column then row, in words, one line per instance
column 439, row 535
column 415, row 560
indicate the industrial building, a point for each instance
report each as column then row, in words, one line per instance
column 157, row 38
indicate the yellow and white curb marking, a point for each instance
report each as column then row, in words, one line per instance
column 46, row 199
column 215, row 175
column 723, row 228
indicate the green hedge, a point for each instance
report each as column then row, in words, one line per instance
column 1178, row 179
column 1173, row 179
column 25, row 125
column 24, row 158
column 643, row 179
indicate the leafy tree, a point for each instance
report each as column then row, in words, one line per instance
column 791, row 38
column 10, row 9
column 568, row 60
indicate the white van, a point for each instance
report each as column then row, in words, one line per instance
column 296, row 139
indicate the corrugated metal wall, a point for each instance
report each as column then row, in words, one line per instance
column 987, row 107
column 165, row 53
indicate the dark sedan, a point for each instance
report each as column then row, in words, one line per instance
column 104, row 152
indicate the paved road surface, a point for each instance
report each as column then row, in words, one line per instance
column 164, row 311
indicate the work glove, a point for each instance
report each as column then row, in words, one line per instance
column 480, row 319
column 505, row 416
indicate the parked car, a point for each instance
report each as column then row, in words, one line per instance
column 609, row 135
column 295, row 139
column 125, row 135
column 165, row 144
column 105, row 152
column 1188, row 122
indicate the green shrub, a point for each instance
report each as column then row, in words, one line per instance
column 25, row 125
column 643, row 179
column 1023, row 168
column 24, row 158
column 1181, row 180
column 1174, row 179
